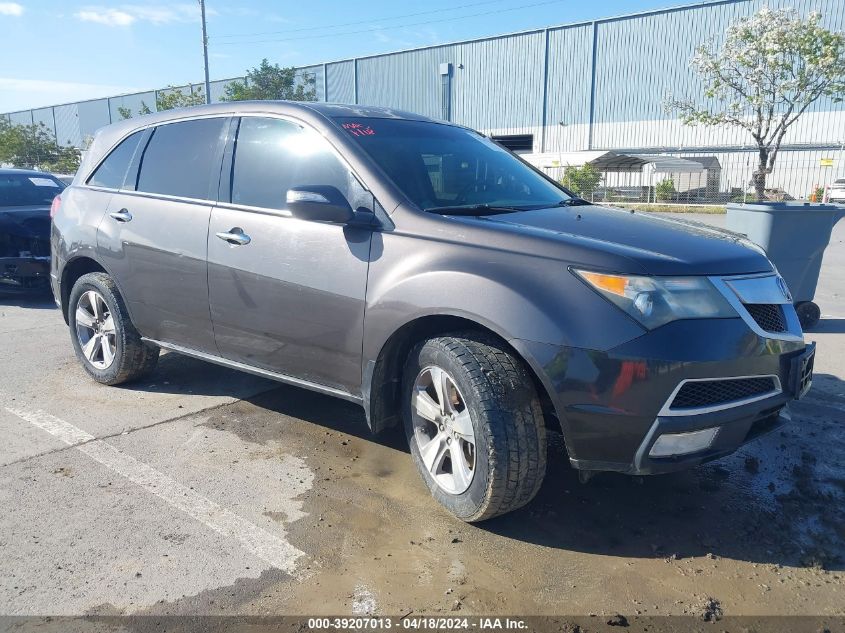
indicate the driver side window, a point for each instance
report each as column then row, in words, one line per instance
column 273, row 155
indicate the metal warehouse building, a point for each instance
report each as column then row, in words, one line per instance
column 567, row 94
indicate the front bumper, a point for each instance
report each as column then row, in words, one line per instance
column 736, row 426
column 612, row 405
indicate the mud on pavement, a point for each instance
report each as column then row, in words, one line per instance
column 759, row 533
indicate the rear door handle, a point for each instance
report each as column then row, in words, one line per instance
column 121, row 216
column 235, row 236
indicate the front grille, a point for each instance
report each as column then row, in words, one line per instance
column 708, row 393
column 769, row 316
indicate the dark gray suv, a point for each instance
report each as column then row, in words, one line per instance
column 428, row 274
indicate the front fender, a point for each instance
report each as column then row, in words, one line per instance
column 515, row 295
column 485, row 301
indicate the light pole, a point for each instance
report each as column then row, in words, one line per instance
column 841, row 165
column 205, row 51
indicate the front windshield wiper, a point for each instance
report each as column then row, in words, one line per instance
column 492, row 209
column 573, row 202
column 474, row 209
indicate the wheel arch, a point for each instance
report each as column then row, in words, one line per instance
column 71, row 272
column 383, row 375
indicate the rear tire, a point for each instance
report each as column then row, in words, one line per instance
column 493, row 401
column 105, row 341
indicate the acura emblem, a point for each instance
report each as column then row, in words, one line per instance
column 783, row 288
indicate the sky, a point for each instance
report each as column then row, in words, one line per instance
column 58, row 51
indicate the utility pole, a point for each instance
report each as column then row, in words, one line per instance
column 205, row 51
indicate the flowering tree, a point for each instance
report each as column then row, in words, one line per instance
column 771, row 67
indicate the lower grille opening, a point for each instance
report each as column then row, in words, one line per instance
column 708, row 393
column 769, row 316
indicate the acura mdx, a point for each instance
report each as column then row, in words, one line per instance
column 419, row 269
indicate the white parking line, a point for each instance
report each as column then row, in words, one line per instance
column 272, row 549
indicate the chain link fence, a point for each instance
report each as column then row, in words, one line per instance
column 703, row 178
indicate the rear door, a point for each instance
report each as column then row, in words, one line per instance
column 154, row 235
column 290, row 298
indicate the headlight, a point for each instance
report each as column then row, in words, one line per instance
column 655, row 301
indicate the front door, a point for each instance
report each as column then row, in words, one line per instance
column 153, row 239
column 287, row 295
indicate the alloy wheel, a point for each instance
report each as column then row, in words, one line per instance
column 443, row 430
column 95, row 329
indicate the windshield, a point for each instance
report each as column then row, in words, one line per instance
column 28, row 190
column 443, row 167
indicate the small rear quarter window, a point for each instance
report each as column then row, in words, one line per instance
column 112, row 172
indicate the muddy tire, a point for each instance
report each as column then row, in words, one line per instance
column 105, row 341
column 474, row 425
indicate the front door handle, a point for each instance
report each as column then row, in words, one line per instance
column 121, row 216
column 235, row 236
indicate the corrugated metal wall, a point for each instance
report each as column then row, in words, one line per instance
column 67, row 125
column 662, row 44
column 218, row 89
column 501, row 83
column 568, row 91
column 408, row 81
column 314, row 73
column 596, row 85
column 134, row 103
column 341, row 82
column 21, row 118
column 44, row 116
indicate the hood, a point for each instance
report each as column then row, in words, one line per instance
column 31, row 222
column 657, row 245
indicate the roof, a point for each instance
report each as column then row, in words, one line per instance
column 606, row 161
column 307, row 110
column 7, row 171
column 709, row 162
column 344, row 110
column 281, row 107
column 601, row 160
column 312, row 112
column 670, row 164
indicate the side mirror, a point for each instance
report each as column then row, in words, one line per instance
column 319, row 203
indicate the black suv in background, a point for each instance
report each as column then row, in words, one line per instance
column 25, row 199
column 428, row 274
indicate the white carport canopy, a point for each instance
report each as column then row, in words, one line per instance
column 606, row 161
column 669, row 164
column 601, row 160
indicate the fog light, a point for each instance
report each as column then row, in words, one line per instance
column 672, row 444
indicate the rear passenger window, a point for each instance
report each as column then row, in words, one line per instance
column 272, row 156
column 112, row 171
column 181, row 158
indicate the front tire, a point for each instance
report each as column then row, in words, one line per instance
column 105, row 341
column 474, row 425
